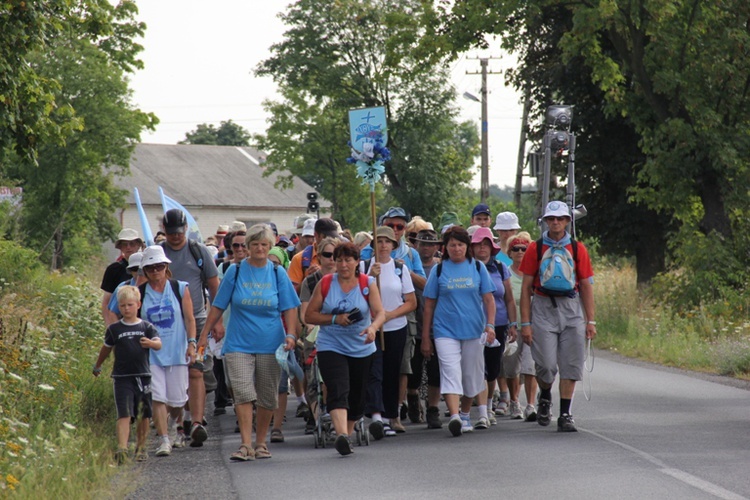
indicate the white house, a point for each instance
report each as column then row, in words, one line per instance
column 216, row 184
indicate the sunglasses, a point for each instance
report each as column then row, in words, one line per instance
column 556, row 218
column 155, row 267
column 397, row 227
column 327, row 255
column 518, row 249
column 239, row 245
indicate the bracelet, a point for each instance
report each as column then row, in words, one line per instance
column 192, row 341
column 490, row 325
column 512, row 323
column 591, row 323
column 333, row 320
column 526, row 324
column 294, row 337
column 97, row 370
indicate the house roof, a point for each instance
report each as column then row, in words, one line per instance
column 209, row 176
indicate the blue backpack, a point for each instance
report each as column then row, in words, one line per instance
column 557, row 269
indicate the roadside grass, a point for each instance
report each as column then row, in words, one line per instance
column 633, row 324
column 56, row 421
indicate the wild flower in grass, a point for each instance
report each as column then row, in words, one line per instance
column 12, row 482
column 46, row 387
column 69, row 426
column 23, row 440
column 14, row 376
column 48, row 353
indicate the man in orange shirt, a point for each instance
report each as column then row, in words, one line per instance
column 306, row 262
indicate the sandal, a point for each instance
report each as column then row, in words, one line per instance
column 244, row 454
column 277, row 436
column 261, row 451
column 141, row 455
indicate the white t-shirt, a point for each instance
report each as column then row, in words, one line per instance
column 392, row 291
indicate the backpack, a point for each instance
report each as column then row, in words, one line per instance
column 557, row 275
column 175, row 289
column 440, row 268
column 364, row 283
column 195, row 251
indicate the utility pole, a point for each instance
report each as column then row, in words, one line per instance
column 522, row 147
column 485, row 186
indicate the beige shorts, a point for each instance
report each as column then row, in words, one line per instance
column 254, row 378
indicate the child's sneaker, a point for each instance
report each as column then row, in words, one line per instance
column 179, row 439
column 466, row 426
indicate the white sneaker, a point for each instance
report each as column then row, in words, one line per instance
column 179, row 440
column 482, row 423
column 529, row 413
column 515, row 411
column 164, row 449
column 466, row 426
column 491, row 416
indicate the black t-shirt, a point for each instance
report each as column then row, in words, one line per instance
column 130, row 358
column 116, row 273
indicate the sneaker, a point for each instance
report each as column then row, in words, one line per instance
column 403, row 411
column 377, row 429
column 565, row 423
column 302, row 410
column 433, row 418
column 180, row 440
column 529, row 413
column 343, row 445
column 455, row 426
column 388, row 431
column 482, row 423
column 219, row 411
column 466, row 426
column 492, row 418
column 198, row 435
column 501, row 408
column 544, row 408
column 515, row 411
column 164, row 449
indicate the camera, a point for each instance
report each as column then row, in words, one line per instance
column 355, row 315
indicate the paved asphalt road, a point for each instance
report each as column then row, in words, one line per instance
column 646, row 433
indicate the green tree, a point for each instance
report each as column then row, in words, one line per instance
column 228, row 134
column 69, row 198
column 677, row 72
column 353, row 54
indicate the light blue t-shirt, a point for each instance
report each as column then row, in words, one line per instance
column 113, row 305
column 257, row 298
column 164, row 312
column 410, row 256
column 459, row 311
column 503, row 257
column 345, row 340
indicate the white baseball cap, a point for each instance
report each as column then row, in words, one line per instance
column 309, row 228
column 556, row 209
column 505, row 221
column 135, row 260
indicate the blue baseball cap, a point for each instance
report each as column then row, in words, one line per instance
column 481, row 209
column 395, row 212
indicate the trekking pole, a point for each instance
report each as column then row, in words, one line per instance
column 381, row 334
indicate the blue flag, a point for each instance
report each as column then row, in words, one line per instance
column 193, row 231
column 148, row 236
column 366, row 125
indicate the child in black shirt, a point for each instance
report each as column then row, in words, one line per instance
column 131, row 338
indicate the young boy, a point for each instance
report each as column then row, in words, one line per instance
column 131, row 338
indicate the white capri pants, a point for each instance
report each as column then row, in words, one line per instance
column 169, row 385
column 461, row 366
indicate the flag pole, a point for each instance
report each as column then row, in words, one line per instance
column 373, row 213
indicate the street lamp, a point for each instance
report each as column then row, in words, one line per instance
column 485, row 184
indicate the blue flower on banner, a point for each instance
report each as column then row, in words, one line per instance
column 370, row 161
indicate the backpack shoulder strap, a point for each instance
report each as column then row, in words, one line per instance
column 142, row 289
column 439, row 268
column 195, row 251
column 176, row 290
column 325, row 285
column 574, row 246
column 367, row 264
column 364, row 283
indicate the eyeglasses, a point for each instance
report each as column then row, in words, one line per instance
column 397, row 227
column 518, row 249
column 327, row 255
column 555, row 218
column 155, row 267
column 239, row 245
